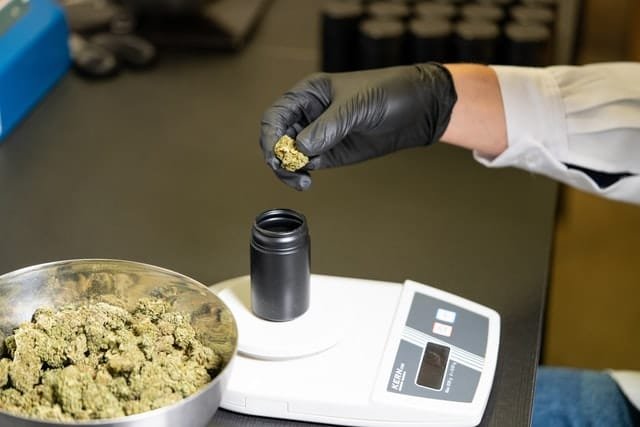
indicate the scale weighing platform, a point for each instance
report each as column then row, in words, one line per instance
column 366, row 353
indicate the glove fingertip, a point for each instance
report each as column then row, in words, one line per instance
column 300, row 181
column 304, row 183
column 273, row 162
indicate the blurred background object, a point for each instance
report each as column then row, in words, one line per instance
column 381, row 43
column 609, row 30
column 89, row 15
column 166, row 7
column 33, row 56
column 449, row 31
column 429, row 39
column 109, row 35
column 340, row 22
column 477, row 41
column 216, row 24
column 526, row 44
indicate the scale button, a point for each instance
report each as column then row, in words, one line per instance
column 446, row 315
column 442, row 329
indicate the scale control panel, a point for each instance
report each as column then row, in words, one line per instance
column 441, row 351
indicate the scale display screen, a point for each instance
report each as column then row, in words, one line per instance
column 433, row 366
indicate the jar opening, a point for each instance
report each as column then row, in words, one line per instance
column 279, row 221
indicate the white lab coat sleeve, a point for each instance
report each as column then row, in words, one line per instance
column 629, row 382
column 586, row 116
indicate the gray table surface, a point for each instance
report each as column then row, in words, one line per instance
column 163, row 167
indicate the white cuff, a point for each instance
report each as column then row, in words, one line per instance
column 534, row 111
column 629, row 383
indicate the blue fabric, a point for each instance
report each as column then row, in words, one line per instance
column 579, row 398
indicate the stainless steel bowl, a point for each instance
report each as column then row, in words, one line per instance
column 59, row 283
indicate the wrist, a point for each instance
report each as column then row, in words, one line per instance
column 478, row 119
column 439, row 98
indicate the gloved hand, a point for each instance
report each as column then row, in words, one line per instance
column 344, row 118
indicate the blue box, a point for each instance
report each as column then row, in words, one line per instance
column 34, row 54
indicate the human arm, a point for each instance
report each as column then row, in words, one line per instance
column 344, row 118
column 477, row 119
column 350, row 117
column 578, row 125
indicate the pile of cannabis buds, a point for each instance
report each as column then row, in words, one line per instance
column 98, row 360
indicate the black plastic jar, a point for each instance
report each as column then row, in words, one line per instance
column 280, row 265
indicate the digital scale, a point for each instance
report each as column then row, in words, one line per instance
column 366, row 353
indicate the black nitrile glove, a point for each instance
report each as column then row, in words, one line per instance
column 344, row 118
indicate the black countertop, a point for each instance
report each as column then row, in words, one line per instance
column 163, row 167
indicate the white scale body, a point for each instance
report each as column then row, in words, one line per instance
column 366, row 353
